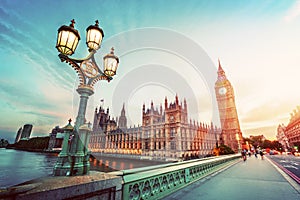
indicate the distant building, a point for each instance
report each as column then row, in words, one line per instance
column 231, row 133
column 18, row 137
column 281, row 137
column 164, row 134
column 23, row 133
column 26, row 132
column 292, row 130
column 56, row 139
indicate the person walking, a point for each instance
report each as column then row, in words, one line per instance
column 244, row 155
column 261, row 154
column 255, row 153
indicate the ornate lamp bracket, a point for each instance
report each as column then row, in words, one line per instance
column 87, row 69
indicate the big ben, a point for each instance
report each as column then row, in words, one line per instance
column 231, row 134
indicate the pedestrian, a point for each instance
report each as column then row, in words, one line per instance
column 261, row 154
column 244, row 155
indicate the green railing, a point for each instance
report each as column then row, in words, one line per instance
column 159, row 181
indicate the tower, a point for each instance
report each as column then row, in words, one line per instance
column 231, row 134
column 19, row 133
column 151, row 120
column 176, row 126
column 26, row 132
column 123, row 120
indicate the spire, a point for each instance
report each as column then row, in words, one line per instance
column 166, row 103
column 220, row 69
column 176, row 99
column 122, row 120
column 123, row 110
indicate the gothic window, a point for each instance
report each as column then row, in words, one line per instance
column 146, row 145
column 173, row 145
column 172, row 118
column 147, row 134
column 173, row 132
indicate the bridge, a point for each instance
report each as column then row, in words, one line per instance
column 224, row 177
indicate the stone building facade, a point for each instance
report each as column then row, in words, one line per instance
column 165, row 133
column 292, row 130
column 281, row 137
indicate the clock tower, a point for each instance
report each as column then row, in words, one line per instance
column 231, row 134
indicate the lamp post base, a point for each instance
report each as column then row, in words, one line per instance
column 62, row 167
column 72, row 166
column 74, row 157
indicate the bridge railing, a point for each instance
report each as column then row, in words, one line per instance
column 161, row 180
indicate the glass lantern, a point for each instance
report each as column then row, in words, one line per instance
column 94, row 36
column 67, row 39
column 111, row 63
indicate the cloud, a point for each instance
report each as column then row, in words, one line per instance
column 15, row 94
column 293, row 12
column 32, row 84
column 271, row 111
column 268, row 131
column 40, row 114
column 8, row 135
column 26, row 41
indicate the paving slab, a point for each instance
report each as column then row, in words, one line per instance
column 253, row 179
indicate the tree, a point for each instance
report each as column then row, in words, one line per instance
column 258, row 141
column 3, row 143
column 277, row 145
column 224, row 150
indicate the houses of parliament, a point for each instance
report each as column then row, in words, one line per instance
column 167, row 133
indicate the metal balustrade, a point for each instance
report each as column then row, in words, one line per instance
column 158, row 181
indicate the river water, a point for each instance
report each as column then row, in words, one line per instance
column 19, row 166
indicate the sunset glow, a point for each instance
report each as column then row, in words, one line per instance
column 257, row 43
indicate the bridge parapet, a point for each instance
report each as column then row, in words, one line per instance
column 159, row 181
column 153, row 182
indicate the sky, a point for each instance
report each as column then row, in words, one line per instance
column 165, row 48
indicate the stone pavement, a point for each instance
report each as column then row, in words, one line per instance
column 254, row 179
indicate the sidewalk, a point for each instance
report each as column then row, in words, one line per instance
column 254, row 179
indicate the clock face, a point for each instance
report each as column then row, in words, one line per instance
column 222, row 90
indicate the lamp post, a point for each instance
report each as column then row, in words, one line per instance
column 74, row 159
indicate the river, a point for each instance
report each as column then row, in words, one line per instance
column 19, row 166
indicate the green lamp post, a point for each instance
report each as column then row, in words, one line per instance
column 73, row 159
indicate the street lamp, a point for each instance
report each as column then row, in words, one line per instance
column 74, row 159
